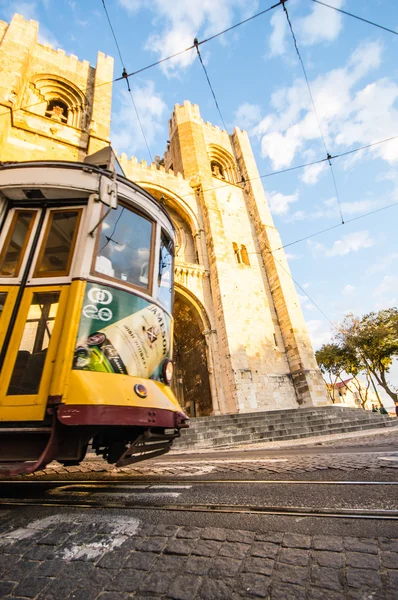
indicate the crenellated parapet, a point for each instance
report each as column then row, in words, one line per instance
column 54, row 105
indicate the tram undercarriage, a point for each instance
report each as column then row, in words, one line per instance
column 31, row 447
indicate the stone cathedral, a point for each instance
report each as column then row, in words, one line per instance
column 240, row 340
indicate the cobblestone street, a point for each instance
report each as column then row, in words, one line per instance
column 75, row 552
column 68, row 556
column 192, row 468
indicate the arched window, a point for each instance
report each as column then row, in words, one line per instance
column 241, row 255
column 57, row 110
column 236, row 253
column 56, row 98
column 222, row 164
column 244, row 255
column 217, row 169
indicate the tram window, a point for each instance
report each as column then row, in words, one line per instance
column 29, row 364
column 15, row 245
column 56, row 253
column 3, row 298
column 165, row 276
column 125, row 247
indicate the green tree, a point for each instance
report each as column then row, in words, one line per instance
column 334, row 360
column 373, row 341
column 329, row 359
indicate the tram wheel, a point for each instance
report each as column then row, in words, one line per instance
column 74, row 462
column 114, row 451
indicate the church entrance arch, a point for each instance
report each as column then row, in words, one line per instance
column 191, row 380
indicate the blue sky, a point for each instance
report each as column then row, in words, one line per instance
column 258, row 81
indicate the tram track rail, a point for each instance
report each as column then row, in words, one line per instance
column 68, row 494
column 286, row 511
column 144, row 482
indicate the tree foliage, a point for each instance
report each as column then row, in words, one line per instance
column 365, row 345
column 373, row 339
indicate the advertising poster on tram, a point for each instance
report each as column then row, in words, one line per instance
column 121, row 333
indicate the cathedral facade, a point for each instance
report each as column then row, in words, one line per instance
column 241, row 343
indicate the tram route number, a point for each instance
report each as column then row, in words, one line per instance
column 98, row 296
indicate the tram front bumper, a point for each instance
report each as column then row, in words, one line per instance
column 110, row 399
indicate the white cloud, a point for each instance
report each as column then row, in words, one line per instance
column 306, row 303
column 386, row 262
column 321, row 25
column 126, row 131
column 348, row 290
column 349, row 114
column 178, row 22
column 298, row 215
column 330, row 208
column 277, row 42
column 319, row 332
column 247, row 115
column 280, row 203
column 312, row 173
column 388, row 285
column 353, row 242
column 292, row 256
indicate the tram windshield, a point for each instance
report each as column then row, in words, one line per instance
column 124, row 249
column 15, row 246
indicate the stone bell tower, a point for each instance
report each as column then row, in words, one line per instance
column 265, row 360
column 52, row 106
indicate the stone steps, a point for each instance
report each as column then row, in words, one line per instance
column 282, row 428
column 234, row 420
column 246, row 428
column 275, row 423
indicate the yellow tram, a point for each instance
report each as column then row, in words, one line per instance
column 86, row 285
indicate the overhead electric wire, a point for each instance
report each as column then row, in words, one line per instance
column 196, row 44
column 315, row 111
column 356, row 17
column 126, row 77
column 309, row 164
column 113, row 33
column 307, row 237
column 212, row 37
column 302, row 289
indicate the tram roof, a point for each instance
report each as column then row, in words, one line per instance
column 86, row 166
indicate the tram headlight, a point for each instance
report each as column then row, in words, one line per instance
column 140, row 390
column 167, row 370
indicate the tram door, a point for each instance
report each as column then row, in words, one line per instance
column 36, row 252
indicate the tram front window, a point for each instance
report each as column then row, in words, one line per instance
column 29, row 364
column 57, row 249
column 3, row 298
column 124, row 250
column 14, row 248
